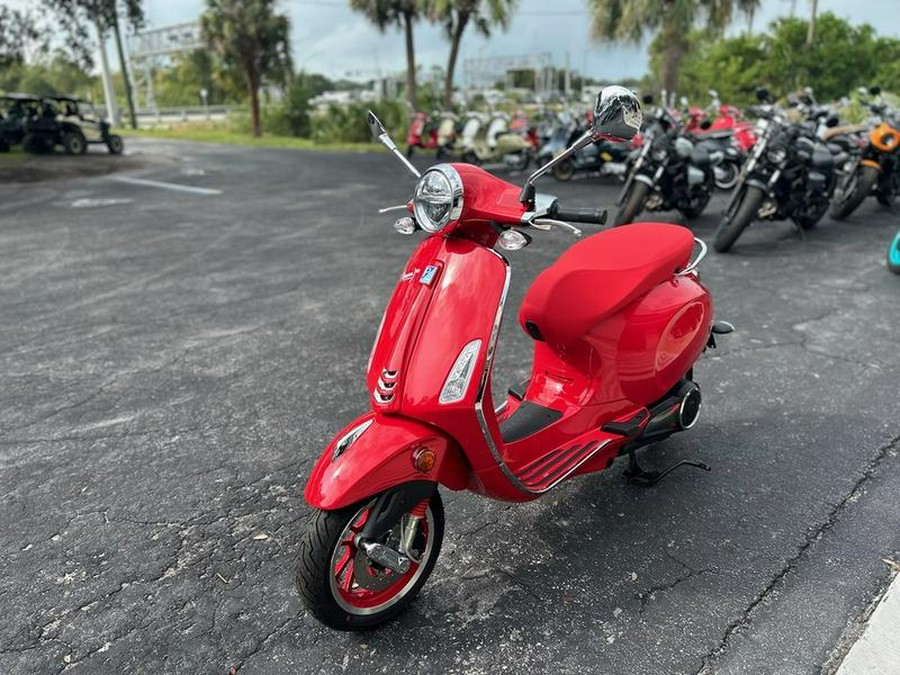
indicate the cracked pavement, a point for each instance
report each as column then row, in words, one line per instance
column 173, row 363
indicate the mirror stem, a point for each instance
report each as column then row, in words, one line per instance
column 527, row 194
column 390, row 145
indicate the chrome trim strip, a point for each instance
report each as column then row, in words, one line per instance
column 479, row 399
column 350, row 438
column 572, row 469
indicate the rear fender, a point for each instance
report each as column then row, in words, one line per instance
column 382, row 456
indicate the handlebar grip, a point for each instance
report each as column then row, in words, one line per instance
column 593, row 216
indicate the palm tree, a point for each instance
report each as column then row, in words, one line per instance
column 404, row 13
column 671, row 19
column 251, row 38
column 456, row 15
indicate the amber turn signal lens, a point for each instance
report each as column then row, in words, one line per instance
column 424, row 460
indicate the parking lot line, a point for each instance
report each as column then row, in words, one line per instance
column 166, row 186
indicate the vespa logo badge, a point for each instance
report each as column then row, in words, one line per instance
column 428, row 275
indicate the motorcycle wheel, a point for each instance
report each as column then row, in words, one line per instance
column 745, row 213
column 469, row 157
column 887, row 194
column 564, row 171
column 696, row 209
column 858, row 188
column 410, row 151
column 328, row 574
column 442, row 153
column 634, row 203
column 808, row 221
column 524, row 160
column 727, row 176
column 893, row 257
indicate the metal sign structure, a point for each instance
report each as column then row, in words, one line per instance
column 151, row 48
column 484, row 73
column 166, row 41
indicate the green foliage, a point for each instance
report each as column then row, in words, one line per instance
column 291, row 116
column 670, row 20
column 347, row 124
column 58, row 76
column 17, row 31
column 180, row 84
column 842, row 58
column 732, row 66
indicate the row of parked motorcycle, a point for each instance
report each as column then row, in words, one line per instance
column 791, row 162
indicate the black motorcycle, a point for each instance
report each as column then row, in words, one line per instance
column 790, row 174
column 603, row 158
column 670, row 173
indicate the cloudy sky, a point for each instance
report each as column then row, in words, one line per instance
column 328, row 38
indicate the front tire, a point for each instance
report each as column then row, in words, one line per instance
column 328, row 580
column 634, row 203
column 564, row 171
column 732, row 228
column 470, row 157
column 865, row 180
column 114, row 145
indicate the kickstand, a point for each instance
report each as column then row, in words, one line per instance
column 637, row 475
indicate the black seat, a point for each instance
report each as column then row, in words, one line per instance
column 822, row 158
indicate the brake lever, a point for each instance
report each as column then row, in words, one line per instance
column 550, row 222
column 388, row 209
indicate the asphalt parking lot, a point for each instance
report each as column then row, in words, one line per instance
column 174, row 361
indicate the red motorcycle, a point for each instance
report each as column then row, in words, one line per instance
column 617, row 322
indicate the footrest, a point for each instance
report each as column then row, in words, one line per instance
column 549, row 470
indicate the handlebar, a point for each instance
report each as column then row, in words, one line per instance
column 588, row 215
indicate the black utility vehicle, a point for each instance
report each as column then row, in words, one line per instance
column 68, row 122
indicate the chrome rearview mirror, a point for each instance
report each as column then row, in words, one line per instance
column 378, row 131
column 617, row 115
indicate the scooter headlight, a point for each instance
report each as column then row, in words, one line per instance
column 438, row 198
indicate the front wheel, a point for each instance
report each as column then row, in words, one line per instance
column 893, row 257
column 732, row 226
column 342, row 587
column 564, row 171
column 114, row 144
column 634, row 203
column 858, row 187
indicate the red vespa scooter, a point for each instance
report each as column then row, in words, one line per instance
column 617, row 322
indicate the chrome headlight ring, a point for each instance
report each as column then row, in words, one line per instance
column 438, row 198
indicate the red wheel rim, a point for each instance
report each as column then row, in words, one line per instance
column 348, row 593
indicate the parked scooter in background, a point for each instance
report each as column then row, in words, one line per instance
column 612, row 372
column 790, row 174
column 670, row 172
column 426, row 134
column 494, row 143
column 603, row 158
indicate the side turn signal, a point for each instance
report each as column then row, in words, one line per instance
column 424, row 460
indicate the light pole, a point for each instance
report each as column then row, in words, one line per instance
column 204, row 95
